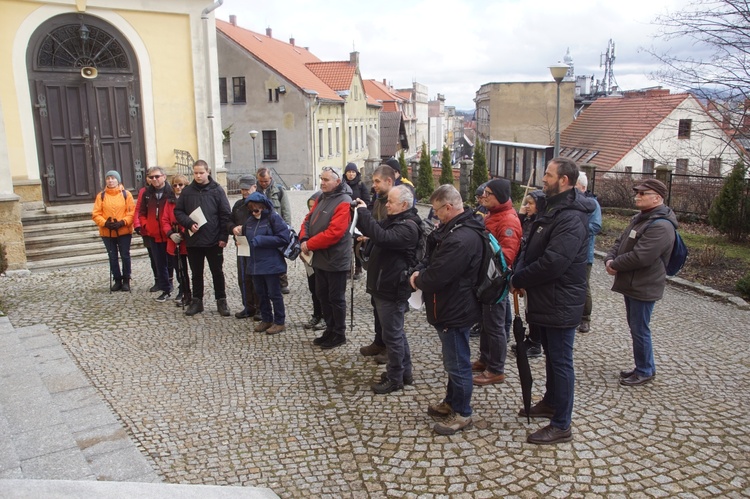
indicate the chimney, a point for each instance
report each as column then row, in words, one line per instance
column 233, row 20
column 384, row 83
column 354, row 58
column 291, row 41
column 269, row 33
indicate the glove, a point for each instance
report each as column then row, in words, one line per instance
column 176, row 237
column 137, row 230
column 110, row 224
column 118, row 224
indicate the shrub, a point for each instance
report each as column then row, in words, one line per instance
column 3, row 259
column 516, row 192
column 730, row 212
column 743, row 286
column 479, row 175
column 425, row 181
column 710, row 255
column 446, row 169
column 402, row 162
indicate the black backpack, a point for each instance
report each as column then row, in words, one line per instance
column 292, row 250
column 679, row 254
column 493, row 280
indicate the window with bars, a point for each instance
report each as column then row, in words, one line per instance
column 223, row 90
column 269, row 145
column 238, row 88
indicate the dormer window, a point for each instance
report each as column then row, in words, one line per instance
column 683, row 131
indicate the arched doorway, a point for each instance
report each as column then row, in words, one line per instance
column 85, row 92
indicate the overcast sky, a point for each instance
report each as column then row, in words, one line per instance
column 455, row 46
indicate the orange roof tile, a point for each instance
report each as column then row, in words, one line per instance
column 289, row 61
column 612, row 126
column 336, row 74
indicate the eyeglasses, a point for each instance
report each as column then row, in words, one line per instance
column 256, row 210
column 644, row 193
column 487, row 193
column 330, row 169
column 436, row 210
column 152, row 177
column 178, row 185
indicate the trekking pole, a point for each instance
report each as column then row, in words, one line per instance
column 109, row 255
column 351, row 274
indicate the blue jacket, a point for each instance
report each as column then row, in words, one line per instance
column 595, row 222
column 267, row 236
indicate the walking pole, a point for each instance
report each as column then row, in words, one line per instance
column 109, row 256
column 351, row 274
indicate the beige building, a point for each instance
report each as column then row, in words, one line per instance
column 91, row 86
column 523, row 112
column 308, row 113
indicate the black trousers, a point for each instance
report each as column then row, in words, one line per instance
column 215, row 257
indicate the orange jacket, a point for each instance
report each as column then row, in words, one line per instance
column 116, row 206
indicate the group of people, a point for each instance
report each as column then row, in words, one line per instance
column 549, row 244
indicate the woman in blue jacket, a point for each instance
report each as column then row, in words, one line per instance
column 267, row 234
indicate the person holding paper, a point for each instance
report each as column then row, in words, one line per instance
column 394, row 251
column 152, row 207
column 203, row 209
column 326, row 232
column 240, row 214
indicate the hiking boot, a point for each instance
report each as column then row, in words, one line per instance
column 154, row 288
column 488, row 378
column 453, row 424
column 125, row 284
column 163, row 297
column 196, row 307
column 117, row 286
column 381, row 358
column 538, row 410
column 386, row 386
column 314, row 321
column 262, row 327
column 550, row 435
column 333, row 341
column 323, row 337
column 276, row 329
column 478, row 366
column 408, row 378
column 585, row 327
column 222, row 308
column 440, row 410
column 372, row 349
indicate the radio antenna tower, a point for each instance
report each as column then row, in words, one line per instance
column 607, row 60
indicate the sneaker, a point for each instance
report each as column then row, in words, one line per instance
column 440, row 410
column 314, row 321
column 372, row 349
column 320, row 327
column 386, row 386
column 408, row 378
column 262, row 327
column 333, row 341
column 453, row 424
column 163, row 297
column 178, row 297
column 276, row 329
column 154, row 288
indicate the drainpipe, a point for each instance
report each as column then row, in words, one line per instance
column 209, row 82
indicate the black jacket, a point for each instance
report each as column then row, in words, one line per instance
column 394, row 251
column 551, row 266
column 359, row 189
column 213, row 202
column 449, row 275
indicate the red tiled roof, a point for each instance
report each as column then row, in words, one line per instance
column 336, row 74
column 612, row 126
column 289, row 61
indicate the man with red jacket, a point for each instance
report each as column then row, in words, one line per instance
column 503, row 223
column 150, row 212
column 325, row 233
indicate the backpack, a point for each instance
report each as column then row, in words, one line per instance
column 493, row 280
column 424, row 228
column 679, row 254
column 124, row 194
column 292, row 250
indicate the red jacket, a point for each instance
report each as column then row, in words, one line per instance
column 151, row 212
column 168, row 224
column 504, row 224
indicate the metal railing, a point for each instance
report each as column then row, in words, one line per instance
column 183, row 163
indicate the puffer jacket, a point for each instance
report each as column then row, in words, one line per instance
column 326, row 230
column 394, row 251
column 551, row 266
column 449, row 275
column 595, row 223
column 116, row 206
column 213, row 202
column 151, row 211
column 504, row 224
column 641, row 252
column 266, row 236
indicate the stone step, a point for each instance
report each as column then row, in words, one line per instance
column 66, row 227
column 80, row 260
column 44, row 241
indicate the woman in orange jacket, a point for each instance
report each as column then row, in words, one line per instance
column 113, row 214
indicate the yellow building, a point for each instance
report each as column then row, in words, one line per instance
column 92, row 86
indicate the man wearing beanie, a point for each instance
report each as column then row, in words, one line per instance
column 503, row 223
column 637, row 260
column 394, row 163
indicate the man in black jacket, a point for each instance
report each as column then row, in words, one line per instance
column 551, row 268
column 394, row 251
column 447, row 279
column 207, row 235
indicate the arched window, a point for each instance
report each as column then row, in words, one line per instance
column 76, row 46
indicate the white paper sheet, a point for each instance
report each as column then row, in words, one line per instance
column 307, row 258
column 198, row 217
column 243, row 246
column 416, row 300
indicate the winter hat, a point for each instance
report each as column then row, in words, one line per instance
column 247, row 182
column 480, row 190
column 500, row 187
column 654, row 185
column 393, row 163
column 351, row 167
column 113, row 173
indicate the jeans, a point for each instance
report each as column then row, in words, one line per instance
column 378, row 340
column 159, row 250
column 215, row 257
column 560, row 387
column 121, row 245
column 457, row 363
column 493, row 346
column 588, row 304
column 268, row 288
column 331, row 290
column 639, row 317
column 391, row 315
column 317, row 310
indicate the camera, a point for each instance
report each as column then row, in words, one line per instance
column 354, row 203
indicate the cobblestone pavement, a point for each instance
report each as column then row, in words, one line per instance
column 211, row 402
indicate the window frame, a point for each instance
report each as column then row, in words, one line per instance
column 270, row 145
column 239, row 90
column 223, row 96
column 684, row 128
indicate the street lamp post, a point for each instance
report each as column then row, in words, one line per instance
column 558, row 71
column 254, row 133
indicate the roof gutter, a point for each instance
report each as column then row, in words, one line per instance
column 209, row 81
